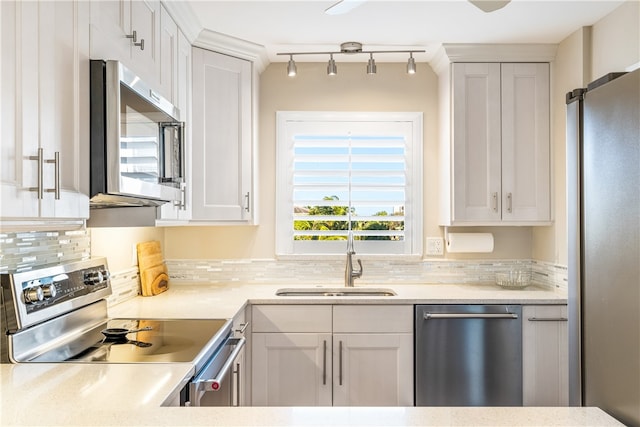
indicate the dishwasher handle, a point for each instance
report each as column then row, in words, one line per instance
column 215, row 383
column 428, row 315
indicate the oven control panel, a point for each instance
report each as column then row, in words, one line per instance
column 34, row 296
column 43, row 292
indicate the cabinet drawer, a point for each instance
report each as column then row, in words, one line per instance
column 291, row 318
column 372, row 318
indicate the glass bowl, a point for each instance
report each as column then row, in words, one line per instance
column 514, row 279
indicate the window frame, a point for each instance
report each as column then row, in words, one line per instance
column 285, row 246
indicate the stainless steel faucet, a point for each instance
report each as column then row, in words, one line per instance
column 349, row 273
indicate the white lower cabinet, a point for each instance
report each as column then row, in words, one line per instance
column 373, row 369
column 545, row 354
column 342, row 355
column 291, row 369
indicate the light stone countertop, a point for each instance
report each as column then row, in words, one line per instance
column 224, row 300
column 127, row 395
column 67, row 394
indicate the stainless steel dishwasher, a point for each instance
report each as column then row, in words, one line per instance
column 468, row 355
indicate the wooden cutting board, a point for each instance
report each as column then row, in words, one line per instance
column 154, row 277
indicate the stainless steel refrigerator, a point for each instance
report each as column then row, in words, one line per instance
column 603, row 193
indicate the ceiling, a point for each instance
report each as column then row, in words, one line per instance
column 302, row 25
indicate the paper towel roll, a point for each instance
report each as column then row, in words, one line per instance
column 470, row 242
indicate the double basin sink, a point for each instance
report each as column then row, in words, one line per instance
column 335, row 292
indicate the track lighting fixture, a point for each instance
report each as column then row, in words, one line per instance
column 350, row 48
column 411, row 65
column 332, row 70
column 371, row 65
column 291, row 67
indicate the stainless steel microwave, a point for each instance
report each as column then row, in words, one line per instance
column 137, row 141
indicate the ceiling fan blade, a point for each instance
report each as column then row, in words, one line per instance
column 489, row 5
column 343, row 6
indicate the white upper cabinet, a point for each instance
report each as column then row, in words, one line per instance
column 168, row 78
column 181, row 84
column 128, row 31
column 222, row 169
column 495, row 150
column 44, row 110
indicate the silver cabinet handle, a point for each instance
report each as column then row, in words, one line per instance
column 509, row 203
column 56, row 165
column 548, row 319
column 182, row 204
column 134, row 37
column 243, row 327
column 340, row 363
column 40, row 184
column 324, row 363
column 237, row 374
column 247, row 205
column 494, row 201
column 428, row 316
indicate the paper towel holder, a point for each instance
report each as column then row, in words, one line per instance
column 468, row 242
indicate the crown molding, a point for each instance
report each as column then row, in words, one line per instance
column 185, row 18
column 194, row 31
column 462, row 52
column 233, row 46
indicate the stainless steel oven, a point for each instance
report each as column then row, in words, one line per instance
column 59, row 314
column 137, row 141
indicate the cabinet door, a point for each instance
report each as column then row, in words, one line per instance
column 110, row 26
column 222, row 135
column 291, row 369
column 45, row 109
column 18, row 110
column 545, row 356
column 145, row 21
column 373, row 369
column 182, row 100
column 476, row 174
column 63, row 76
column 168, row 56
column 525, row 142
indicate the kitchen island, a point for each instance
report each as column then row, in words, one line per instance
column 125, row 394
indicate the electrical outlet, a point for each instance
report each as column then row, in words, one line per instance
column 435, row 246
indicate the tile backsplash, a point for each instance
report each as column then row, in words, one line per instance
column 378, row 271
column 23, row 251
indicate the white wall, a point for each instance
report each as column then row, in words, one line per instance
column 616, row 40
column 118, row 244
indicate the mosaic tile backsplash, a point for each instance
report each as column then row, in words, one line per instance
column 376, row 272
column 23, row 251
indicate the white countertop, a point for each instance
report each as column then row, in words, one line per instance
column 224, row 300
column 130, row 395
column 122, row 394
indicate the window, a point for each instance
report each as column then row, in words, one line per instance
column 349, row 172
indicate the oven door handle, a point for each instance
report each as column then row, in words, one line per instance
column 215, row 383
